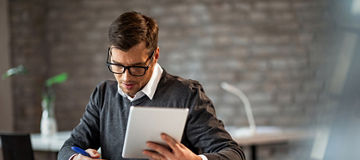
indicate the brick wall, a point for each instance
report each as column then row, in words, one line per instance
column 28, row 47
column 269, row 49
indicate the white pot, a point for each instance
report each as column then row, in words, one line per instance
column 48, row 125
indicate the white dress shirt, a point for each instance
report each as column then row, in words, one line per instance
column 150, row 87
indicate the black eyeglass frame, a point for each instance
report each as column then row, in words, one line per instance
column 128, row 67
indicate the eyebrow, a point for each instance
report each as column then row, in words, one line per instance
column 134, row 64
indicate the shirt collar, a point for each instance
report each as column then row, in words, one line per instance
column 150, row 88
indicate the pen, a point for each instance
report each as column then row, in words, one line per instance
column 79, row 150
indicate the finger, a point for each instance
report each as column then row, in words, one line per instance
column 93, row 153
column 170, row 141
column 160, row 149
column 153, row 154
column 82, row 157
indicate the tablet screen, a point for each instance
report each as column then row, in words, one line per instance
column 147, row 123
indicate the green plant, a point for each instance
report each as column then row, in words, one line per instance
column 14, row 71
column 48, row 96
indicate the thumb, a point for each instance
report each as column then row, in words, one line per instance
column 93, row 153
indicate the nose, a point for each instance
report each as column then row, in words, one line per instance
column 126, row 76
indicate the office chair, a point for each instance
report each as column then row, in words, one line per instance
column 16, row 146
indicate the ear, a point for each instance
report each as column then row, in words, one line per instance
column 157, row 54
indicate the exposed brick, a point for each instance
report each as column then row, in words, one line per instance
column 279, row 5
column 264, row 50
column 259, row 97
column 285, row 98
column 261, row 5
column 258, row 16
column 243, row 6
column 271, row 50
column 265, row 110
column 288, row 63
column 257, row 65
column 309, row 97
column 282, row 16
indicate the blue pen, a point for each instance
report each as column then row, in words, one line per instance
column 81, row 151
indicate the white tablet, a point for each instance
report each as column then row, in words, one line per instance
column 147, row 123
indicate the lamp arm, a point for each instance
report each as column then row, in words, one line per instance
column 232, row 89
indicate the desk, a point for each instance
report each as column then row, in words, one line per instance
column 52, row 143
column 265, row 135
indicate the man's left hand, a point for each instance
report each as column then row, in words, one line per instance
column 177, row 151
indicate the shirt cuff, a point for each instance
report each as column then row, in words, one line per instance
column 203, row 157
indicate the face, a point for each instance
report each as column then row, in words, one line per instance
column 135, row 56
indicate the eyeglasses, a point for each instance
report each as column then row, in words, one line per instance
column 133, row 70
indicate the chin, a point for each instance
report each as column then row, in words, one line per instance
column 132, row 94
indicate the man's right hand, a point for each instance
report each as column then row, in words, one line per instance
column 93, row 153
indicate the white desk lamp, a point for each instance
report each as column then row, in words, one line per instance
column 249, row 115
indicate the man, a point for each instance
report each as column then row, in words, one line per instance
column 140, row 81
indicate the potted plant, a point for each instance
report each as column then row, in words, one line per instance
column 48, row 125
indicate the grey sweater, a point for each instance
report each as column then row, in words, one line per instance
column 104, row 121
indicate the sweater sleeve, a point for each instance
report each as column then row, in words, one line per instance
column 86, row 134
column 206, row 132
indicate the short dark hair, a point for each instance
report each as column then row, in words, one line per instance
column 131, row 28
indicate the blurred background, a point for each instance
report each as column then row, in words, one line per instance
column 296, row 60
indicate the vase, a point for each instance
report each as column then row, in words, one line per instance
column 48, row 125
